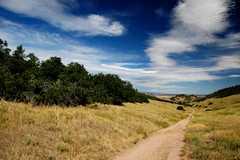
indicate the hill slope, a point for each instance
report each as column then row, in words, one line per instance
column 96, row 132
column 214, row 132
column 225, row 92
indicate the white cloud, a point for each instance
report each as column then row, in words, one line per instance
column 227, row 62
column 57, row 14
column 160, row 48
column 129, row 70
column 203, row 16
column 231, row 41
column 194, row 23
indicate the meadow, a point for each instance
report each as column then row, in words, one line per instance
column 214, row 133
column 95, row 132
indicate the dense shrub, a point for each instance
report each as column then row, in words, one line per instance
column 24, row 78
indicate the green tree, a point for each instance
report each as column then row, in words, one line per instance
column 51, row 68
column 74, row 72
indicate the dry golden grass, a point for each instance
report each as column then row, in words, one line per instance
column 95, row 132
column 214, row 133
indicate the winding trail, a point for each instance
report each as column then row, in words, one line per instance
column 164, row 145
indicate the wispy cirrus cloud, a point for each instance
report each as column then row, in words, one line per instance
column 56, row 13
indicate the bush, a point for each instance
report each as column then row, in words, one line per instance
column 180, row 108
column 210, row 103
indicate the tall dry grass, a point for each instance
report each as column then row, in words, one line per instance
column 214, row 133
column 95, row 132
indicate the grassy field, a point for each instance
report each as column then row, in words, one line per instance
column 94, row 133
column 214, row 133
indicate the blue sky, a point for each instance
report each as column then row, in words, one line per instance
column 166, row 46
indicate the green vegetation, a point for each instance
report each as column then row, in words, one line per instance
column 214, row 132
column 24, row 78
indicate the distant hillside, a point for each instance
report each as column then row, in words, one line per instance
column 184, row 99
column 225, row 92
column 160, row 94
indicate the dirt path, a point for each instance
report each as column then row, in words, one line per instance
column 164, row 145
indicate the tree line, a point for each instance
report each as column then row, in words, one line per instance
column 24, row 78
